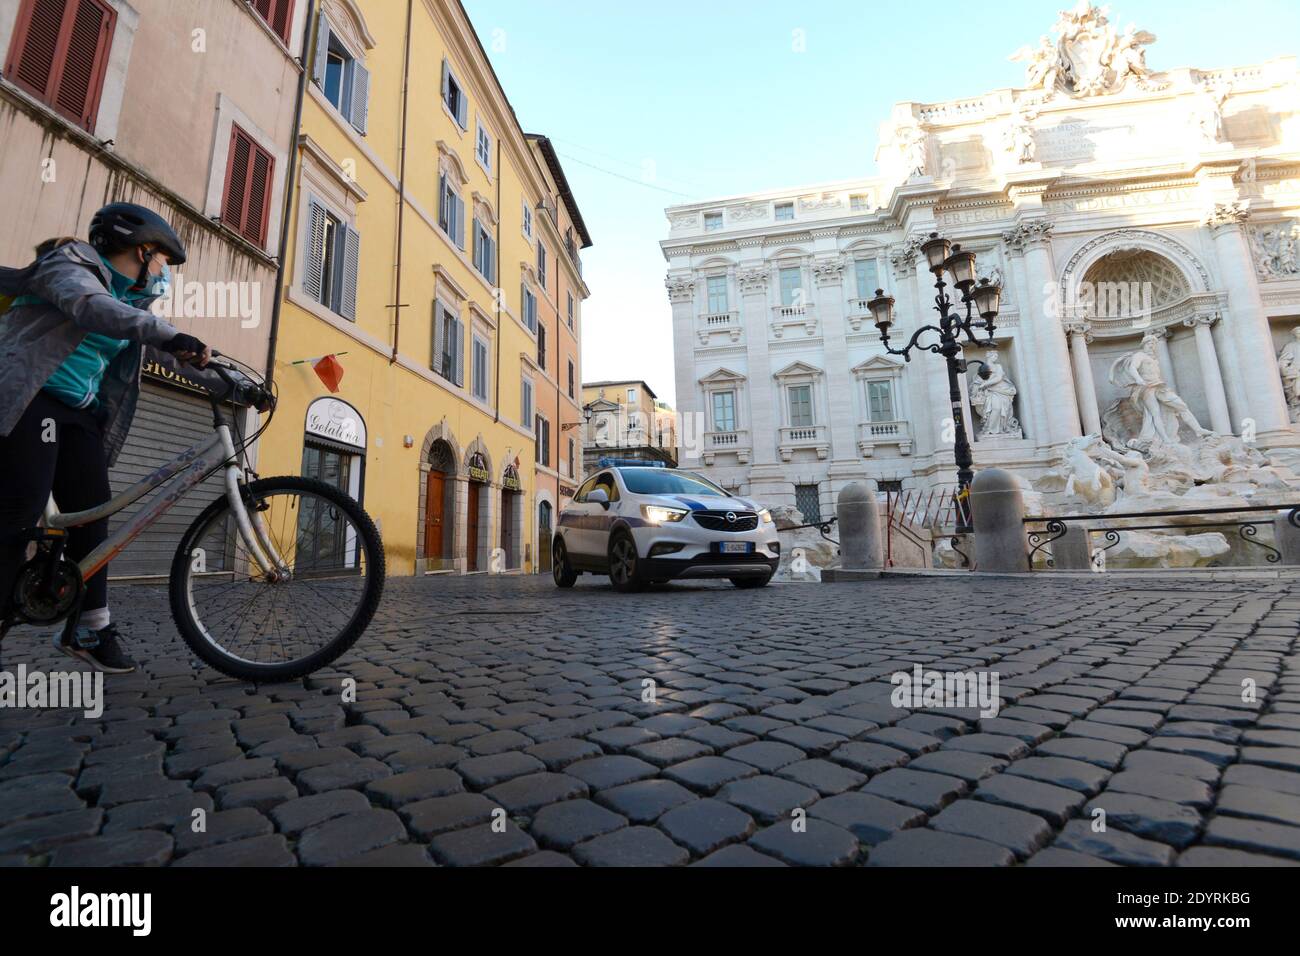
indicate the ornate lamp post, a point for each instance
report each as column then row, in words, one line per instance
column 981, row 299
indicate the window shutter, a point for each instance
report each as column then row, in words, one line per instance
column 359, row 115
column 247, row 204
column 462, row 110
column 460, row 353
column 351, row 262
column 237, row 167
column 435, row 360
column 445, row 75
column 321, row 55
column 259, row 196
column 59, row 53
column 278, row 14
column 314, row 257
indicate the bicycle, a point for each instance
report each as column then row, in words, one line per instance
column 272, row 581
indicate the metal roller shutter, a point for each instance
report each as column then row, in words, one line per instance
column 166, row 423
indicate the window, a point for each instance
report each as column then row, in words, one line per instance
column 59, row 54
column 801, row 410
column 530, row 308
column 572, row 394
column 631, row 396
column 526, row 401
column 570, row 295
column 453, row 97
column 808, row 502
column 880, row 401
column 278, row 15
column 542, row 435
column 341, row 77
column 483, row 147
column 868, row 275
column 451, row 209
column 890, row 486
column 717, row 292
column 541, row 265
column 724, row 411
column 246, row 207
column 485, row 252
column 541, row 346
column 791, row 286
column 330, row 260
column 784, row 211
column 448, row 344
column 528, row 220
column 712, row 221
column 859, row 202
column 480, row 369
column 573, row 470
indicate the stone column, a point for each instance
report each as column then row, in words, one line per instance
column 828, row 274
column 933, row 368
column 1061, row 408
column 998, row 509
column 1249, row 322
column 1287, row 536
column 681, row 294
column 923, row 415
column 1084, row 384
column 1032, row 416
column 1211, row 378
column 752, row 280
column 858, row 515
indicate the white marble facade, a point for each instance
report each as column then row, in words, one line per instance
column 1111, row 199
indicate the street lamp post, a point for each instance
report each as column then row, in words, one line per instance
column 981, row 299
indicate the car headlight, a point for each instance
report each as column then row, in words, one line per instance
column 657, row 514
column 765, row 516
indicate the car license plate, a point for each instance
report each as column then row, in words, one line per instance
column 734, row 547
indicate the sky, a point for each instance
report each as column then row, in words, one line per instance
column 654, row 104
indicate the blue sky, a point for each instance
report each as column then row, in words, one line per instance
column 652, row 104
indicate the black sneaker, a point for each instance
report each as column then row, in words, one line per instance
column 101, row 649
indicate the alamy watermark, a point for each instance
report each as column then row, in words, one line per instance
column 76, row 690
column 918, row 689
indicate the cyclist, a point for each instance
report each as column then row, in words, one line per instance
column 72, row 345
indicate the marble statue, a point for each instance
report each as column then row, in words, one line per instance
column 912, row 145
column 1209, row 115
column 1088, row 57
column 1288, row 363
column 1019, row 141
column 1084, row 476
column 1163, row 413
column 1043, row 69
column 993, row 400
column 1276, row 250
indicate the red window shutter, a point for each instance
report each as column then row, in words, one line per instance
column 249, row 170
column 278, row 14
column 60, row 52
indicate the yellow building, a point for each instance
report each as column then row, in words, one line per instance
column 414, row 260
column 625, row 419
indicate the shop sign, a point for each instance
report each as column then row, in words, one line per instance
column 337, row 421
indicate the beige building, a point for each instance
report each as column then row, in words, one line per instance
column 625, row 419
column 187, row 108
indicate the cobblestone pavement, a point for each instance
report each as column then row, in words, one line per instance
column 502, row 699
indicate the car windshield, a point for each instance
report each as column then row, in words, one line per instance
column 659, row 481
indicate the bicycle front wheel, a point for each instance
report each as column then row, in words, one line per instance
column 252, row 628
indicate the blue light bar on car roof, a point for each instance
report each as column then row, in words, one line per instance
column 629, row 463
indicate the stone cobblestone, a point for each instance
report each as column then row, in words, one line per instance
column 517, row 735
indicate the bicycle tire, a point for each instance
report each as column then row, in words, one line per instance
column 207, row 651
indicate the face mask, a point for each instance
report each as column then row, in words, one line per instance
column 159, row 285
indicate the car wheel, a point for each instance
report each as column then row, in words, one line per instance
column 624, row 566
column 746, row 584
column 561, row 569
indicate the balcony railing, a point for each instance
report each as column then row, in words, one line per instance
column 734, row 442
column 871, row 434
column 727, row 323
column 795, row 437
column 791, row 316
column 858, row 313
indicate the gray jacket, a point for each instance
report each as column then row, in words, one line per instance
column 72, row 283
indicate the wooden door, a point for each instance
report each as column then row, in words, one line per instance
column 433, row 520
column 471, row 527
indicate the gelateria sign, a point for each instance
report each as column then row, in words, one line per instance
column 478, row 469
column 510, row 479
column 336, row 420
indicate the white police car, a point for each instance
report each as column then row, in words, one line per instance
column 646, row 525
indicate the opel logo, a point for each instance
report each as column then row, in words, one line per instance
column 731, row 517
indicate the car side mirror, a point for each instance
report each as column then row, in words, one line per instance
column 599, row 496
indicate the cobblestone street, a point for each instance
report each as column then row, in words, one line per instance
column 481, row 695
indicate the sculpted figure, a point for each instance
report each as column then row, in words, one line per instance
column 1163, row 412
column 993, row 400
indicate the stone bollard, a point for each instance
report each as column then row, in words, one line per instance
column 998, row 510
column 1070, row 551
column 1287, row 537
column 861, row 546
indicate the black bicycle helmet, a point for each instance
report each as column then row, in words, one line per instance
column 121, row 225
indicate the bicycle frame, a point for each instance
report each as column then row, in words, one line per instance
column 180, row 476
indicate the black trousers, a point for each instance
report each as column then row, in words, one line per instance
column 60, row 449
